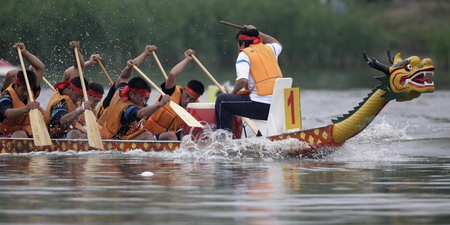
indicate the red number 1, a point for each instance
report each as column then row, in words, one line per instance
column 290, row 102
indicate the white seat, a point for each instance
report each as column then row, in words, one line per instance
column 275, row 123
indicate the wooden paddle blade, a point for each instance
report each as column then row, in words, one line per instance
column 41, row 136
column 184, row 115
column 95, row 140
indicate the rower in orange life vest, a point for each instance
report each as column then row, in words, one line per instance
column 36, row 66
column 125, row 106
column 62, row 112
column 122, row 119
column 122, row 80
column 257, row 69
column 95, row 90
column 165, row 119
column 14, row 107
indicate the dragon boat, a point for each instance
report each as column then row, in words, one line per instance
column 404, row 80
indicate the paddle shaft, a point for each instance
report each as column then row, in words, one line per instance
column 111, row 82
column 159, row 65
column 80, row 72
column 209, row 74
column 27, row 82
column 48, row 84
column 232, row 25
column 148, row 80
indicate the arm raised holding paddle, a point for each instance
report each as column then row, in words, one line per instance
column 191, row 91
column 72, row 71
column 126, row 72
column 36, row 66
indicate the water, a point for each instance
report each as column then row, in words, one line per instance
column 396, row 172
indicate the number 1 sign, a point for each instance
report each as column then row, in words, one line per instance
column 292, row 109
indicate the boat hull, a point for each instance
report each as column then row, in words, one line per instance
column 26, row 145
column 317, row 138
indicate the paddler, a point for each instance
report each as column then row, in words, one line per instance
column 123, row 78
column 165, row 119
column 125, row 106
column 62, row 111
column 257, row 69
column 14, row 107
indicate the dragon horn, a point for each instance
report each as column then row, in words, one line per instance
column 375, row 64
column 389, row 55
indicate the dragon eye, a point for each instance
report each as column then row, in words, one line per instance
column 408, row 67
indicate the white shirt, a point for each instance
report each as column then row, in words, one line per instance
column 243, row 71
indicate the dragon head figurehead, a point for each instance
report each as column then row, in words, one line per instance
column 405, row 79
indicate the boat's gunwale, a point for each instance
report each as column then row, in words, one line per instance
column 86, row 140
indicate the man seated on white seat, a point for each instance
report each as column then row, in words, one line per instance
column 257, row 70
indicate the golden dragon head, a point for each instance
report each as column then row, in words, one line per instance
column 405, row 79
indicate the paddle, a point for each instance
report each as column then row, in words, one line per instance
column 104, row 72
column 250, row 122
column 48, row 84
column 231, row 24
column 159, row 65
column 94, row 138
column 41, row 137
column 182, row 113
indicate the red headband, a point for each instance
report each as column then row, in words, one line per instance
column 62, row 85
column 124, row 92
column 192, row 92
column 95, row 94
column 256, row 40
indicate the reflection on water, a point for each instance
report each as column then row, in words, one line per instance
column 395, row 172
column 98, row 188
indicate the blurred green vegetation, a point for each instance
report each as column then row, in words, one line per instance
column 322, row 41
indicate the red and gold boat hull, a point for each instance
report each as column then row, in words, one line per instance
column 316, row 138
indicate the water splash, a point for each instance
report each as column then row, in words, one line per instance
column 366, row 153
column 372, row 145
column 381, row 133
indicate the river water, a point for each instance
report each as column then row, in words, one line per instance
column 397, row 171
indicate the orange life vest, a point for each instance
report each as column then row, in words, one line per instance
column 263, row 68
column 109, row 122
column 55, row 99
column 165, row 119
column 99, row 111
column 10, row 125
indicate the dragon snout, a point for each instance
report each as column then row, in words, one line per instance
column 421, row 79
